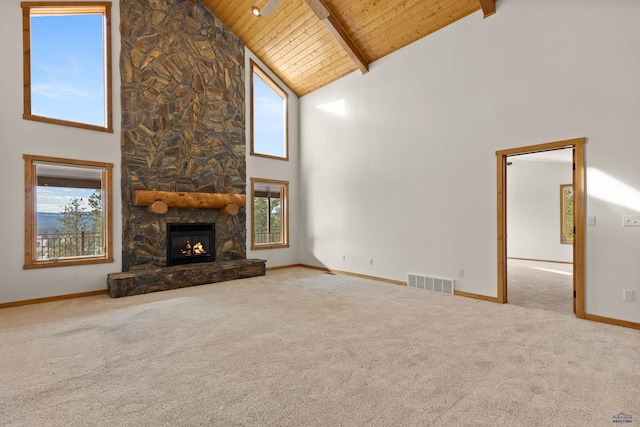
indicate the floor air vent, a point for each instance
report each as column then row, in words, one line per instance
column 435, row 284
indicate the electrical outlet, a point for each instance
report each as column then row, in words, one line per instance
column 631, row 221
column 591, row 220
column 75, row 275
column 370, row 261
column 628, row 295
column 460, row 272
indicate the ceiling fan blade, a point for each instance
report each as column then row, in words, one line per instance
column 269, row 7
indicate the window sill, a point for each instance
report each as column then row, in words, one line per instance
column 269, row 246
column 269, row 156
column 67, row 123
column 67, row 262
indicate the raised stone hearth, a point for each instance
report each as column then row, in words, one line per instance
column 181, row 276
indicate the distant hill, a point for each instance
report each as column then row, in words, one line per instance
column 49, row 221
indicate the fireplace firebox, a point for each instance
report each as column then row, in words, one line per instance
column 190, row 243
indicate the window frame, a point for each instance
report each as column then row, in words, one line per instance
column 68, row 8
column 284, row 203
column 563, row 215
column 255, row 69
column 30, row 212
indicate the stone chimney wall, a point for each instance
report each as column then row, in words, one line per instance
column 183, row 122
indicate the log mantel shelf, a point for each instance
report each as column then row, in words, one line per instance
column 160, row 201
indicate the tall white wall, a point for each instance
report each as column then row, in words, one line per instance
column 261, row 167
column 533, row 209
column 18, row 137
column 407, row 176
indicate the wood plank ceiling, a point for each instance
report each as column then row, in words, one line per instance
column 304, row 52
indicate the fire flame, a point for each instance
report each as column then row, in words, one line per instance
column 196, row 249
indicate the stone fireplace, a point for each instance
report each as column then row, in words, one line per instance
column 183, row 130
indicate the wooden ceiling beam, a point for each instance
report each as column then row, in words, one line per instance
column 488, row 7
column 299, row 40
column 337, row 30
column 319, row 8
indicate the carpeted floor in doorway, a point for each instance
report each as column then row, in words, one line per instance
column 542, row 285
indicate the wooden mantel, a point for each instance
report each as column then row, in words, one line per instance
column 160, row 201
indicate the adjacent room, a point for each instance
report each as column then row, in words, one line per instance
column 420, row 212
column 540, row 230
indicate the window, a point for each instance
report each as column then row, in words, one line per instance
column 269, row 224
column 566, row 214
column 67, row 212
column 268, row 116
column 67, row 63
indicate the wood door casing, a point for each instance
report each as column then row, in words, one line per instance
column 579, row 219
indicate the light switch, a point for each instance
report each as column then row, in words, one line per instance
column 591, row 220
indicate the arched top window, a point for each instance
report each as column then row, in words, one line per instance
column 269, row 136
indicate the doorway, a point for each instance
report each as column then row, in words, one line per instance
column 578, row 182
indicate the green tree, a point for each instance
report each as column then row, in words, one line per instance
column 73, row 219
column 95, row 203
column 568, row 214
column 260, row 219
column 267, row 223
column 72, row 222
column 276, row 221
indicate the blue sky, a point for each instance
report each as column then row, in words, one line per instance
column 67, row 75
column 268, row 120
column 54, row 199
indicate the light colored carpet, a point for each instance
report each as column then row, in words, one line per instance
column 543, row 285
column 300, row 347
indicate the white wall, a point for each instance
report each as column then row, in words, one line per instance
column 261, row 167
column 408, row 175
column 18, row 137
column 533, row 209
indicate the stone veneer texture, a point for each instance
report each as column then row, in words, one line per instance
column 183, row 122
column 180, row 276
